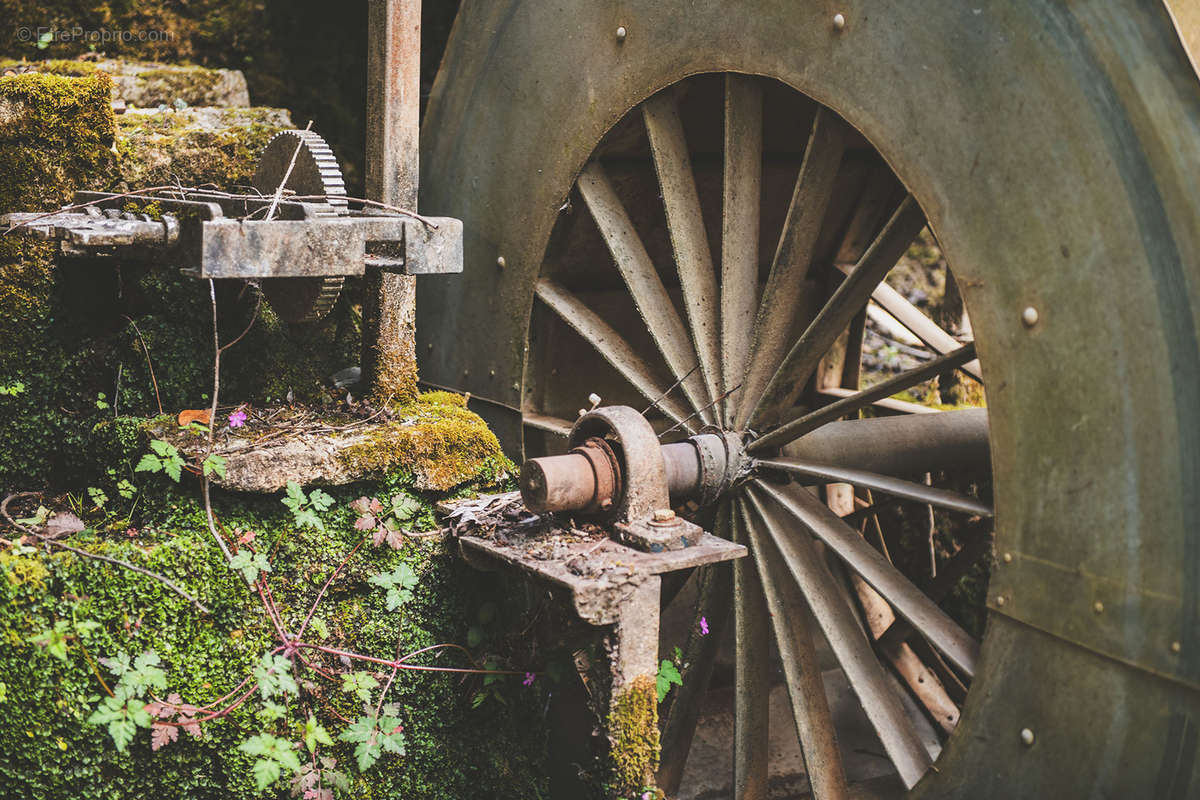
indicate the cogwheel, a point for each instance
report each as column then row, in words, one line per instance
column 316, row 172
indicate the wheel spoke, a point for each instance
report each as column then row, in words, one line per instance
column 850, row 298
column 924, row 615
column 920, row 325
column 555, row 425
column 792, row 621
column 608, row 343
column 752, row 690
column 849, row 644
column 742, row 187
column 685, row 223
column 649, row 295
column 903, row 446
column 848, row 405
column 909, row 490
column 793, row 255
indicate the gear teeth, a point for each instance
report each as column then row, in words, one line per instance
column 329, row 182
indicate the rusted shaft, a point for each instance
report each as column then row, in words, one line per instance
column 585, row 479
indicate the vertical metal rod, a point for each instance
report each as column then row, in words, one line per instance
column 392, row 168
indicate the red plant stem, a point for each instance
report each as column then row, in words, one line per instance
column 321, row 594
column 319, row 670
column 216, row 714
column 400, row 663
column 270, row 609
column 220, row 699
column 438, row 647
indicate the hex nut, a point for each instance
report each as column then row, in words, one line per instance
column 663, row 515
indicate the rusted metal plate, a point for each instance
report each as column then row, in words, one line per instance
column 1055, row 150
column 596, row 571
column 260, row 249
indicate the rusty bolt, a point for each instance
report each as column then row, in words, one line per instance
column 621, row 33
column 1029, row 316
column 663, row 515
column 839, row 22
column 500, row 262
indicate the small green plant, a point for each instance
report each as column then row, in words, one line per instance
column 304, row 507
column 250, row 564
column 165, row 458
column 102, row 401
column 98, row 496
column 274, row 755
column 213, row 465
column 124, row 711
column 55, row 640
column 668, row 674
column 374, row 734
column 12, row 389
column 399, row 584
column 387, row 525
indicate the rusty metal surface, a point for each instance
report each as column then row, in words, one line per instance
column 1055, row 149
column 598, row 573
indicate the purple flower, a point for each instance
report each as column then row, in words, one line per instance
column 704, row 626
column 647, row 796
column 529, row 677
column 237, row 419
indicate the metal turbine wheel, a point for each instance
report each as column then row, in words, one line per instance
column 315, row 173
column 615, row 202
column 741, row 344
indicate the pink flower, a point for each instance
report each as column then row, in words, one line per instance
column 529, row 678
column 237, row 419
column 704, row 626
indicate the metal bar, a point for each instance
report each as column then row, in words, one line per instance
column 850, row 298
column 848, row 642
column 392, row 170
column 887, row 404
column 848, row 405
column 941, row 631
column 920, row 325
column 649, row 295
column 542, row 422
column 752, row 664
column 904, row 446
column 615, row 350
column 685, row 223
column 740, row 212
column 793, row 255
column 792, row 621
column 909, row 490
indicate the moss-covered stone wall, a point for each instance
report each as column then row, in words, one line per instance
column 454, row 750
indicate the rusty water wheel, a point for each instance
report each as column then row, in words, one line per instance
column 630, row 277
column 713, row 202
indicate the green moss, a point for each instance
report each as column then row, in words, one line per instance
column 48, row 751
column 633, row 731
column 436, row 439
column 57, row 66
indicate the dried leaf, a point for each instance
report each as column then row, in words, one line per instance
column 201, row 415
column 63, row 523
column 162, row 734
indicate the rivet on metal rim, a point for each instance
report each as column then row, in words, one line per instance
column 999, row 599
column 1098, row 607
column 1008, row 558
column 839, row 22
column 1176, row 647
column 1027, row 737
column 500, row 262
column 1029, row 316
column 621, row 33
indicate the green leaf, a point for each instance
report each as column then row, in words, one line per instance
column 274, row 676
column 315, row 734
column 667, row 674
column 359, row 683
column 98, row 496
column 149, row 463
column 319, row 627
column 405, row 507
column 250, row 564
column 126, row 489
column 39, row 517
column 319, row 500
column 271, row 711
column 214, row 465
column 266, row 772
